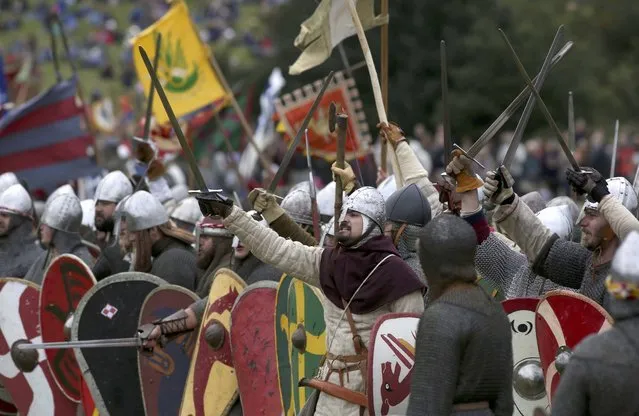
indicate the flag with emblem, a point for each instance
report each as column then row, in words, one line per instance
column 45, row 140
column 184, row 68
column 330, row 24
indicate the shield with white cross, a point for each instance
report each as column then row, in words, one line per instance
column 111, row 309
column 33, row 390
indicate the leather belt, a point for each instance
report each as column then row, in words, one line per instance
column 462, row 407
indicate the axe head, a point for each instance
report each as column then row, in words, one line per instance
column 332, row 117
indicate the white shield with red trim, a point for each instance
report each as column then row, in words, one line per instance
column 391, row 362
column 529, row 390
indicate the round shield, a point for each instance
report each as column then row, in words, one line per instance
column 65, row 282
column 390, row 363
column 163, row 373
column 253, row 349
column 562, row 320
column 211, row 387
column 111, row 309
column 305, row 321
column 529, row 391
column 35, row 391
column 6, row 403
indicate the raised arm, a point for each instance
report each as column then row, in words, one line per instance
column 412, row 169
column 622, row 221
column 291, row 257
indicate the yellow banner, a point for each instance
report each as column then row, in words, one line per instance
column 184, row 69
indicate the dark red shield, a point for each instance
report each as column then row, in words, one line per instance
column 563, row 318
column 163, row 374
column 65, row 282
column 253, row 349
column 33, row 392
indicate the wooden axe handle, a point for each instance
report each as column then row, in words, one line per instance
column 342, row 126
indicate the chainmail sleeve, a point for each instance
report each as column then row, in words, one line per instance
column 498, row 263
column 563, row 262
column 437, row 359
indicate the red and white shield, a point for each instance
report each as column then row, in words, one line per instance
column 564, row 318
column 528, row 379
column 35, row 392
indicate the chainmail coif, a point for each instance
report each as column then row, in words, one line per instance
column 407, row 247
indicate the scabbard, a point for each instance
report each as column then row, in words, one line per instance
column 334, row 390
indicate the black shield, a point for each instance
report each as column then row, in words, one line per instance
column 110, row 310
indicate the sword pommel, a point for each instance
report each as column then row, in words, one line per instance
column 25, row 360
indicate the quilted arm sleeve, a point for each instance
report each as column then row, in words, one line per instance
column 414, row 172
column 411, row 303
column 522, row 226
column 437, row 356
column 620, row 219
column 290, row 257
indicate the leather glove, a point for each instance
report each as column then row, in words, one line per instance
column 211, row 205
column 392, row 133
column 346, row 175
column 588, row 181
column 498, row 186
column 265, row 204
column 461, row 168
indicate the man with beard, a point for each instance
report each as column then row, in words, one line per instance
column 112, row 189
column 214, row 251
column 463, row 350
column 603, row 371
column 362, row 279
column 59, row 234
column 159, row 246
column 605, row 220
column 18, row 248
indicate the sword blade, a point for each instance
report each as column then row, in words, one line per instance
column 530, row 104
column 199, row 179
column 95, row 343
column 512, row 108
column 572, row 137
column 542, row 105
column 615, row 144
column 149, row 104
column 448, row 141
column 296, row 141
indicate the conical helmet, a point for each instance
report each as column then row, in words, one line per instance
column 367, row 201
column 6, row 180
column 63, row 213
column 63, row 190
column 326, row 200
column 408, row 206
column 557, row 219
column 623, row 282
column 387, row 187
column 621, row 189
column 16, row 200
column 188, row 211
column 298, row 205
column 113, row 187
column 144, row 211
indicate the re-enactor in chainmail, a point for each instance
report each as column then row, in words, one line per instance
column 606, row 219
column 59, row 233
column 603, row 372
column 463, row 356
column 18, row 247
column 111, row 190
